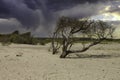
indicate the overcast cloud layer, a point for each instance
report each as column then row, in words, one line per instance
column 39, row 16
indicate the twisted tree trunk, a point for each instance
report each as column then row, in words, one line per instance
column 64, row 48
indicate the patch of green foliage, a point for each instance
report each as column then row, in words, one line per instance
column 24, row 38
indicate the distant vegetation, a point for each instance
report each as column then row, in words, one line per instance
column 23, row 38
column 27, row 38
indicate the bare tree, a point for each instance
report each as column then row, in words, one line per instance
column 96, row 31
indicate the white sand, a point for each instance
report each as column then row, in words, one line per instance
column 34, row 62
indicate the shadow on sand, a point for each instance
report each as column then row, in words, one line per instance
column 102, row 56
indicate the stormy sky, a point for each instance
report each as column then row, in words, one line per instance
column 40, row 16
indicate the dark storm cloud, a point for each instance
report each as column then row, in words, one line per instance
column 56, row 5
column 43, row 13
column 62, row 4
column 33, row 4
column 19, row 10
column 82, row 10
column 3, row 9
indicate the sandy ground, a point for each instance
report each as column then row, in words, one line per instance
column 35, row 62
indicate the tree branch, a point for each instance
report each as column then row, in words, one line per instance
column 86, row 48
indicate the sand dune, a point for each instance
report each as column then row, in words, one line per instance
column 35, row 62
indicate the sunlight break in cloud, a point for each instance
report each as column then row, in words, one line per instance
column 107, row 17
